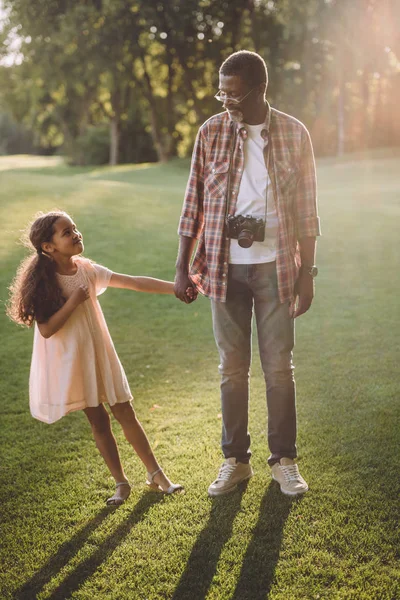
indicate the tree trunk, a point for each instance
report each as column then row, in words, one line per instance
column 255, row 31
column 162, row 152
column 191, row 92
column 170, row 103
column 114, row 141
column 340, row 125
column 340, row 121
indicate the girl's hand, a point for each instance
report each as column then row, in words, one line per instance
column 58, row 320
column 81, row 294
column 191, row 293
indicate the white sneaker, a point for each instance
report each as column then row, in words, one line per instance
column 286, row 473
column 230, row 475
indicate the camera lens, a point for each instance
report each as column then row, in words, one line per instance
column 245, row 238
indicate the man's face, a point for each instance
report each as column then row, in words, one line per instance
column 234, row 88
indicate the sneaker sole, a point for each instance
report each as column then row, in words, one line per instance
column 290, row 493
column 232, row 489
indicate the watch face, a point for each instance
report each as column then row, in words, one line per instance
column 313, row 271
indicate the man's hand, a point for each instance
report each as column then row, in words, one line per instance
column 304, row 293
column 184, row 288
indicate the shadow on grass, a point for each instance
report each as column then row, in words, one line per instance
column 202, row 563
column 262, row 555
column 258, row 569
column 69, row 549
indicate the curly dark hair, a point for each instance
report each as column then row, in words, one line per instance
column 249, row 66
column 34, row 293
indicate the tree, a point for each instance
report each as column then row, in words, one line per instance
column 152, row 68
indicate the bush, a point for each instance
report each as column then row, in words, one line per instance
column 14, row 138
column 90, row 148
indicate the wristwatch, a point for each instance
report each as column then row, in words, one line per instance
column 313, row 270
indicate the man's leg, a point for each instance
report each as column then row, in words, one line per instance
column 232, row 332
column 275, row 330
column 276, row 340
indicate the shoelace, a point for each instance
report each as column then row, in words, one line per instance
column 225, row 471
column 291, row 472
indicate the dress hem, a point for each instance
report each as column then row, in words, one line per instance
column 76, row 408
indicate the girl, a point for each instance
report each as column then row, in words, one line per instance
column 74, row 362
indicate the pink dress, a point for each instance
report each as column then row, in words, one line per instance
column 78, row 366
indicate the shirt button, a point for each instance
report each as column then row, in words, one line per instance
column 223, row 283
column 223, row 274
column 225, row 263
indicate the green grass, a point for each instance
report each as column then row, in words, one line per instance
column 340, row 540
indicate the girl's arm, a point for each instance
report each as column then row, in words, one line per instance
column 141, row 284
column 59, row 318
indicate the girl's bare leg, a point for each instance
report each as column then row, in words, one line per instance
column 105, row 441
column 136, row 436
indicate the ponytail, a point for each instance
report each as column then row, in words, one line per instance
column 34, row 293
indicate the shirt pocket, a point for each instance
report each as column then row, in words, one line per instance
column 216, row 179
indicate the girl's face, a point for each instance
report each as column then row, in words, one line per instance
column 66, row 241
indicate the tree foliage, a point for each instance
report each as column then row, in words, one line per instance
column 146, row 72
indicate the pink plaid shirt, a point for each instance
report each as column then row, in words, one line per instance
column 292, row 173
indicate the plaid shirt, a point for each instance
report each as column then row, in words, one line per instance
column 292, row 173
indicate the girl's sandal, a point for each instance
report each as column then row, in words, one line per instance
column 116, row 499
column 172, row 489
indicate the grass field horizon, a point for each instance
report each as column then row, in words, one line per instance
column 340, row 541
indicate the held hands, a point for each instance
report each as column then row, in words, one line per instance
column 184, row 289
column 304, row 294
column 81, row 294
column 191, row 293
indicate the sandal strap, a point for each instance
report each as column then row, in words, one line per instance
column 150, row 476
column 119, row 483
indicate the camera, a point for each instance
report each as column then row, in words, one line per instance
column 245, row 230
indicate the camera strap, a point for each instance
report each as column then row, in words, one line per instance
column 228, row 186
column 268, row 176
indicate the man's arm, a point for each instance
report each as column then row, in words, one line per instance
column 191, row 222
column 307, row 226
column 305, row 287
column 182, row 280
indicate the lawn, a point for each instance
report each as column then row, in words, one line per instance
column 340, row 540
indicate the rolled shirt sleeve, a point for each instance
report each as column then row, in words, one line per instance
column 307, row 220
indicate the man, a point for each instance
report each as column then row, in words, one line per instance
column 251, row 204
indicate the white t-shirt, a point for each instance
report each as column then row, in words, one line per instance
column 251, row 201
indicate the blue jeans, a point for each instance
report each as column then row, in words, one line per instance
column 255, row 286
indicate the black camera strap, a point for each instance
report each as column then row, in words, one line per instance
column 228, row 186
